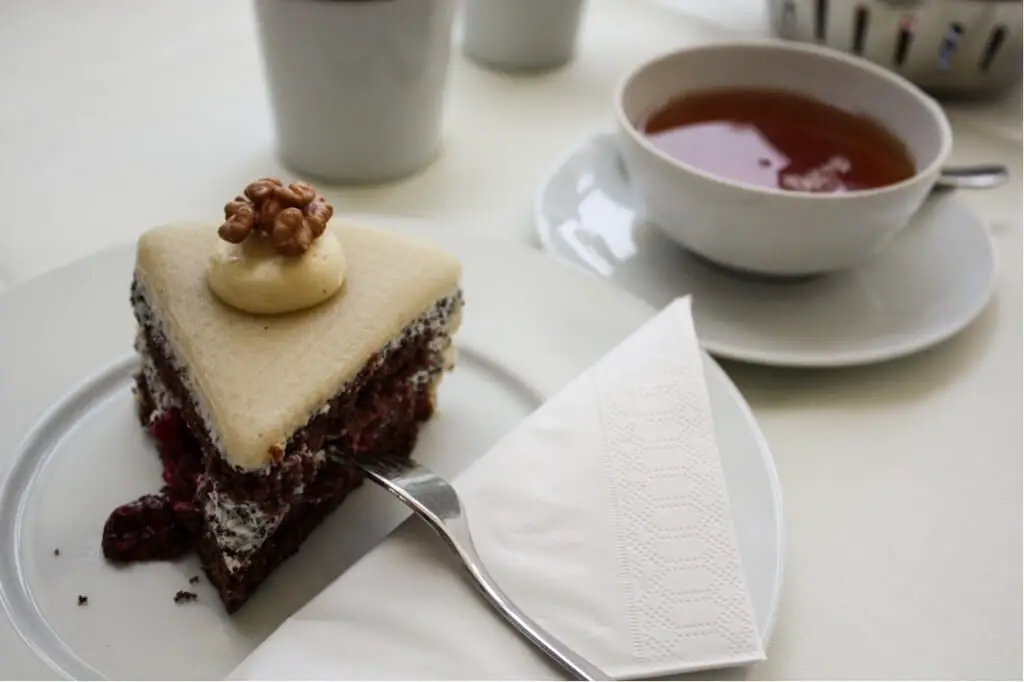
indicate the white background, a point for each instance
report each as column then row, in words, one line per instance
column 902, row 482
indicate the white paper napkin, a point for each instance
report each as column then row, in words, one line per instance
column 604, row 516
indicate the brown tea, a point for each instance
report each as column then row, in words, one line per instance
column 778, row 139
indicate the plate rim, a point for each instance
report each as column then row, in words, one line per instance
column 424, row 227
column 740, row 353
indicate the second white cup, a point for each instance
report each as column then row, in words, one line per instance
column 521, row 34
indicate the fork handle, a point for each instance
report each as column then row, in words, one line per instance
column 577, row 667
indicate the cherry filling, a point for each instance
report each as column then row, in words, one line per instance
column 163, row 525
column 179, row 454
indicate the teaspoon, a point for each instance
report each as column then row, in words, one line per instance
column 985, row 176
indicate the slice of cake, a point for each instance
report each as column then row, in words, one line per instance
column 262, row 343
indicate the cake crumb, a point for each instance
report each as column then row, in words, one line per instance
column 184, row 596
column 56, row 552
column 194, row 580
column 83, row 600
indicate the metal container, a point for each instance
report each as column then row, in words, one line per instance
column 954, row 47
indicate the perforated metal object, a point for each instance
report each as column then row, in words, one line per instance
column 944, row 46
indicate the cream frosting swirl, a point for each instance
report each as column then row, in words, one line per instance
column 256, row 278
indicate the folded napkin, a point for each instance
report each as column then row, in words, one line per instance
column 604, row 515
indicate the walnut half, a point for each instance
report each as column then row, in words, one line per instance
column 291, row 216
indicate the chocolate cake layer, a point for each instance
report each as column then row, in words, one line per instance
column 336, row 480
column 331, row 485
column 252, row 520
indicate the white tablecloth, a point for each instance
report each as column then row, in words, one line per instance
column 902, row 482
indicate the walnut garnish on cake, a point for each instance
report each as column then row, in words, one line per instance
column 292, row 216
column 277, row 255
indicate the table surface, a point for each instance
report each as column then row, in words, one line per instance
column 902, row 481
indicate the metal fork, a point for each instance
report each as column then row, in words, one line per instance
column 435, row 501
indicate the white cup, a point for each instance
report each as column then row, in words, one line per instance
column 774, row 231
column 521, row 34
column 357, row 87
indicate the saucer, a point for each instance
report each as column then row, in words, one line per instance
column 928, row 284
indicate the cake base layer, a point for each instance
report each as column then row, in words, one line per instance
column 334, row 480
column 295, row 526
column 245, row 523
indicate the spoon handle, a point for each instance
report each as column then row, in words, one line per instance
column 972, row 177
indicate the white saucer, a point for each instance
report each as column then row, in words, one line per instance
column 73, row 450
column 927, row 285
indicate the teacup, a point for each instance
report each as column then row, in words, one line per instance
column 768, row 230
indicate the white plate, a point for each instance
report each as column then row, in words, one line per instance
column 927, row 285
column 75, row 451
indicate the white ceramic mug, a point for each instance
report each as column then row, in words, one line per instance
column 774, row 231
column 357, row 87
column 521, row 34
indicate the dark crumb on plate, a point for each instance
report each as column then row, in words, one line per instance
column 194, row 580
column 83, row 600
column 183, row 596
column 56, row 552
